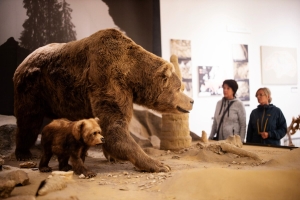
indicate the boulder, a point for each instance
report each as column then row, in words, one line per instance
column 19, row 177
column 6, row 187
column 7, row 138
column 22, row 197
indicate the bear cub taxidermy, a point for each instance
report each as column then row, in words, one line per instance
column 70, row 139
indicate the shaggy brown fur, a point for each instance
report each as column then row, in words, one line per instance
column 99, row 76
column 66, row 139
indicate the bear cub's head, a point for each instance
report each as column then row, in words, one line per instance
column 89, row 131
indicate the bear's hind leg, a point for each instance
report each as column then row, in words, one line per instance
column 43, row 166
column 63, row 161
column 27, row 133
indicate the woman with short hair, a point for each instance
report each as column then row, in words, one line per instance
column 230, row 114
column 267, row 124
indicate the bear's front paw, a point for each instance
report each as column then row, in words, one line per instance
column 161, row 167
column 45, row 169
column 23, row 155
column 156, row 166
column 164, row 168
column 90, row 174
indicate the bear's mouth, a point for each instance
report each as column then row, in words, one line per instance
column 102, row 140
column 182, row 110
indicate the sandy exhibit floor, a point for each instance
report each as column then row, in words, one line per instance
column 197, row 173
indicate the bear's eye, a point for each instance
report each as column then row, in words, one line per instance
column 95, row 133
column 130, row 47
column 165, row 81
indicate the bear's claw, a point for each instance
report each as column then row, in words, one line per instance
column 158, row 167
column 165, row 168
column 23, row 155
column 90, row 174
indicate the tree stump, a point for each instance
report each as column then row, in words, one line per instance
column 175, row 132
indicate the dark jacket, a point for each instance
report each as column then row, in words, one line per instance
column 266, row 118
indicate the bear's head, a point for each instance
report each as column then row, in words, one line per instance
column 161, row 90
column 89, row 131
column 171, row 98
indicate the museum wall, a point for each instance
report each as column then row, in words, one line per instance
column 214, row 27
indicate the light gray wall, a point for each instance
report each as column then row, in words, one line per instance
column 205, row 22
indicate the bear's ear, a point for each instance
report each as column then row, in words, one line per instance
column 174, row 61
column 97, row 120
column 78, row 130
column 165, row 71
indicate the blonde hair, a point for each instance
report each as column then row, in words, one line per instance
column 266, row 91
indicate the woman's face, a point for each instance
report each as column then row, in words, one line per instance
column 262, row 98
column 227, row 91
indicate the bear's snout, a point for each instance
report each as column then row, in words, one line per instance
column 103, row 140
column 99, row 139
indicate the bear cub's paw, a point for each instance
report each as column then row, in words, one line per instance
column 65, row 168
column 90, row 174
column 45, row 169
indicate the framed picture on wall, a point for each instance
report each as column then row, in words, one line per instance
column 241, row 70
column 185, row 65
column 243, row 93
column 210, row 80
column 278, row 65
column 182, row 49
column 240, row 57
column 240, row 52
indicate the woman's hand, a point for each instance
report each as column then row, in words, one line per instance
column 264, row 135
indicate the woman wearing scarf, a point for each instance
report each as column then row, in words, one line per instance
column 267, row 124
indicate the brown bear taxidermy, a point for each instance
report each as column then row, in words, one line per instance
column 99, row 76
column 70, row 139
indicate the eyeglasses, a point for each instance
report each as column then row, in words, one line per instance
column 260, row 95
